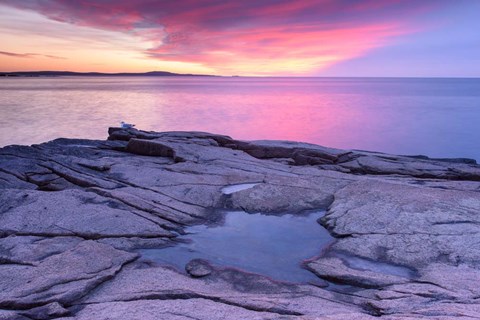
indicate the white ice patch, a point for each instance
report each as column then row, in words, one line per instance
column 238, row 187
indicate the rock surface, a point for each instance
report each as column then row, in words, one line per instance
column 198, row 268
column 74, row 212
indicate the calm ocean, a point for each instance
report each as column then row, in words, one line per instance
column 434, row 117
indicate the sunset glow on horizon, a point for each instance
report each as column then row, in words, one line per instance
column 261, row 38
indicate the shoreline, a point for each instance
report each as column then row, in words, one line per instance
column 73, row 213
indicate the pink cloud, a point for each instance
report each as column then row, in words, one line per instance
column 245, row 37
column 290, row 50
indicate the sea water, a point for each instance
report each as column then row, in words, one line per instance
column 434, row 117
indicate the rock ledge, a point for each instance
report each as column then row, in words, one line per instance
column 73, row 214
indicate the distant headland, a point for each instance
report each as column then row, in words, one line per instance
column 98, row 74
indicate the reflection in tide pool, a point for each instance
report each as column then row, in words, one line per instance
column 274, row 246
column 435, row 117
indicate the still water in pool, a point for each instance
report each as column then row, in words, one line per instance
column 274, row 246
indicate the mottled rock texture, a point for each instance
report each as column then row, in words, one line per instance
column 74, row 212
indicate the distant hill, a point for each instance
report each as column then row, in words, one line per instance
column 97, row 74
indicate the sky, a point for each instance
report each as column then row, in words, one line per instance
column 393, row 38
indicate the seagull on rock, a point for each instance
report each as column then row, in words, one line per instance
column 126, row 125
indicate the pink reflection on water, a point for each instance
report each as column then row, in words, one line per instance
column 433, row 117
column 323, row 118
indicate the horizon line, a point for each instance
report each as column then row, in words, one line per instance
column 173, row 74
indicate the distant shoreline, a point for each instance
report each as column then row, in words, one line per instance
column 98, row 74
column 48, row 74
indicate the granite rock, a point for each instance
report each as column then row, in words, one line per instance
column 198, row 268
column 73, row 213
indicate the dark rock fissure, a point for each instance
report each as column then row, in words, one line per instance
column 192, row 295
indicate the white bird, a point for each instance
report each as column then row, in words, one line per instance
column 126, row 125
